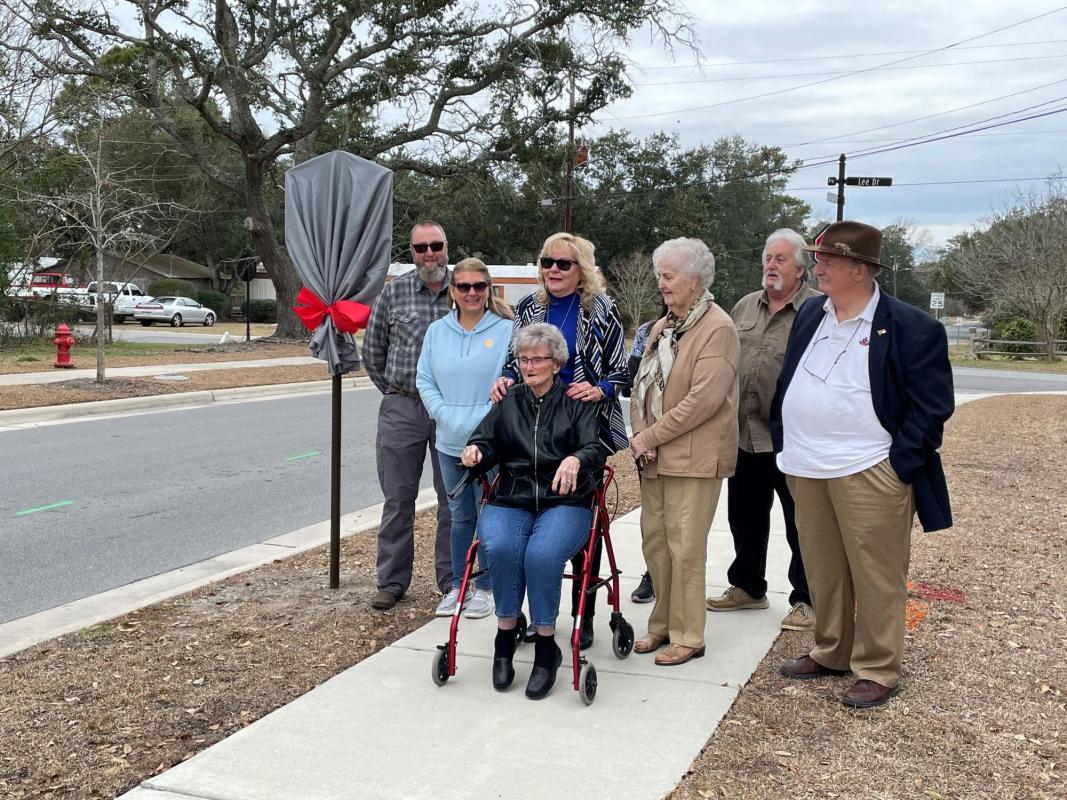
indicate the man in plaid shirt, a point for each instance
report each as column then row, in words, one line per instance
column 391, row 346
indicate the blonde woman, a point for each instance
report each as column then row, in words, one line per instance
column 572, row 298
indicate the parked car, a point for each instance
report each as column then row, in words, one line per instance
column 124, row 297
column 175, row 310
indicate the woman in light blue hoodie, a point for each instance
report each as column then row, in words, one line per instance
column 462, row 354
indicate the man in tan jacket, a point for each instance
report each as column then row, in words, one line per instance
column 763, row 320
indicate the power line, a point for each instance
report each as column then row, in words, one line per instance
column 845, row 72
column 897, row 184
column 846, row 75
column 718, row 64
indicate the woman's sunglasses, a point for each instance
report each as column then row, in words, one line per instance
column 437, row 247
column 464, row 288
column 564, row 264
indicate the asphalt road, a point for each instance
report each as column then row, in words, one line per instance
column 1000, row 381
column 161, row 334
column 147, row 493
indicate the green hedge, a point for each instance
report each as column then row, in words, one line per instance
column 1017, row 329
column 216, row 301
column 261, row 310
column 171, row 287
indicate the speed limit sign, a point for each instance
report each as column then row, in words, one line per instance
column 937, row 300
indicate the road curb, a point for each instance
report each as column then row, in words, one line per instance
column 30, row 416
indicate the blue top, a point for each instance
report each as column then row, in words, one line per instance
column 563, row 312
column 456, row 369
column 641, row 338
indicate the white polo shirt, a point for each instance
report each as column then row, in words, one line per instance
column 829, row 426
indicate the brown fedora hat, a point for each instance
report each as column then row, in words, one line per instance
column 850, row 239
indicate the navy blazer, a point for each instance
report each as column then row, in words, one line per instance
column 911, row 389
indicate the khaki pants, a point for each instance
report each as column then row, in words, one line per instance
column 676, row 517
column 855, row 537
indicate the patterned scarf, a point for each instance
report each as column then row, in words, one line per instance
column 655, row 369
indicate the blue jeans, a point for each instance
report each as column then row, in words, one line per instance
column 526, row 553
column 464, row 511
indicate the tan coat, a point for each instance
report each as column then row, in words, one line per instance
column 697, row 435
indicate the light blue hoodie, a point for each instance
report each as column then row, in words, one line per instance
column 456, row 370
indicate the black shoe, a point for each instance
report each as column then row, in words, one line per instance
column 503, row 674
column 530, row 636
column 542, row 678
column 585, row 641
column 644, row 593
column 503, row 654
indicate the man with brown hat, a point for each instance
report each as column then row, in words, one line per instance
column 857, row 419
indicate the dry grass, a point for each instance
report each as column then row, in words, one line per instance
column 93, row 714
column 983, row 713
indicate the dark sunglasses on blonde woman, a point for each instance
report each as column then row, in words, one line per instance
column 479, row 287
column 564, row 264
column 437, row 247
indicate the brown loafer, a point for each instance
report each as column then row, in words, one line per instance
column 869, row 694
column 805, row 668
column 678, row 654
column 383, row 600
column 651, row 643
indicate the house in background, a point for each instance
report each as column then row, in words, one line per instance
column 145, row 271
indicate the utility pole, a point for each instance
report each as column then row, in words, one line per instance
column 568, row 198
column 895, row 270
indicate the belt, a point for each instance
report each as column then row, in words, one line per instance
column 404, row 392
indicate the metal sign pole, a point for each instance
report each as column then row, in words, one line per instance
column 335, row 488
column 841, row 188
column 248, row 310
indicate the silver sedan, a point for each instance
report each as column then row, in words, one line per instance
column 175, row 310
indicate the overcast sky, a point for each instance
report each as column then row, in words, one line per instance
column 778, row 46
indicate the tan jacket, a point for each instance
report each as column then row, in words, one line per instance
column 697, row 435
column 763, row 340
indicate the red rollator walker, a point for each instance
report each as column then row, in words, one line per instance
column 622, row 632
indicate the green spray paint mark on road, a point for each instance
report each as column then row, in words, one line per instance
column 309, row 454
column 48, row 507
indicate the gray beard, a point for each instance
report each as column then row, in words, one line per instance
column 772, row 284
column 429, row 275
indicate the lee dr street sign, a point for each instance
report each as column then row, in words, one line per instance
column 868, row 181
column 937, row 300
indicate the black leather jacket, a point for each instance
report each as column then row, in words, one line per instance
column 529, row 437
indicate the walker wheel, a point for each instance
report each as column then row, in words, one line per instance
column 587, row 684
column 622, row 639
column 520, row 628
column 439, row 673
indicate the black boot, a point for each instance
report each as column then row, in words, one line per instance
column 585, row 640
column 503, row 653
column 547, row 660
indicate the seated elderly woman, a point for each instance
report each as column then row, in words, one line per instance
column 684, row 418
column 547, row 448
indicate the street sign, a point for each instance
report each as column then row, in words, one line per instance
column 831, row 196
column 937, row 300
column 868, row 181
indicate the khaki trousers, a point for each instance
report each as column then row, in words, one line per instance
column 676, row 517
column 855, row 538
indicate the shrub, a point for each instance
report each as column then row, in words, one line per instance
column 216, row 301
column 1017, row 329
column 261, row 310
column 169, row 287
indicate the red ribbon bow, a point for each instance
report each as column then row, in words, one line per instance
column 348, row 315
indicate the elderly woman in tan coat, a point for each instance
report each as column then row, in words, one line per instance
column 684, row 417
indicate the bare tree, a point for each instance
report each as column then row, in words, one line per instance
column 634, row 287
column 26, row 88
column 1019, row 264
column 104, row 208
column 436, row 86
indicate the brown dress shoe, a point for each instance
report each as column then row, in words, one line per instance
column 383, row 600
column 678, row 654
column 651, row 643
column 868, row 694
column 805, row 668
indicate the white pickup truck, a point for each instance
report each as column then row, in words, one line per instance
column 124, row 296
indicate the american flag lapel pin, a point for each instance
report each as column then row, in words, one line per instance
column 881, row 331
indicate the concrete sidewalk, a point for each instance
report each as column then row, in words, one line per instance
column 382, row 729
column 57, row 375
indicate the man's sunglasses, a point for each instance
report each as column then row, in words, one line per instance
column 564, row 264
column 437, row 247
column 464, row 288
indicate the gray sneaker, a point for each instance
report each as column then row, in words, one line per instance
column 481, row 604
column 800, row 618
column 447, row 606
column 735, row 599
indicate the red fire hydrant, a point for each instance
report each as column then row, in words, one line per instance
column 64, row 341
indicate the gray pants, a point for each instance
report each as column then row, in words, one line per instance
column 405, row 433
